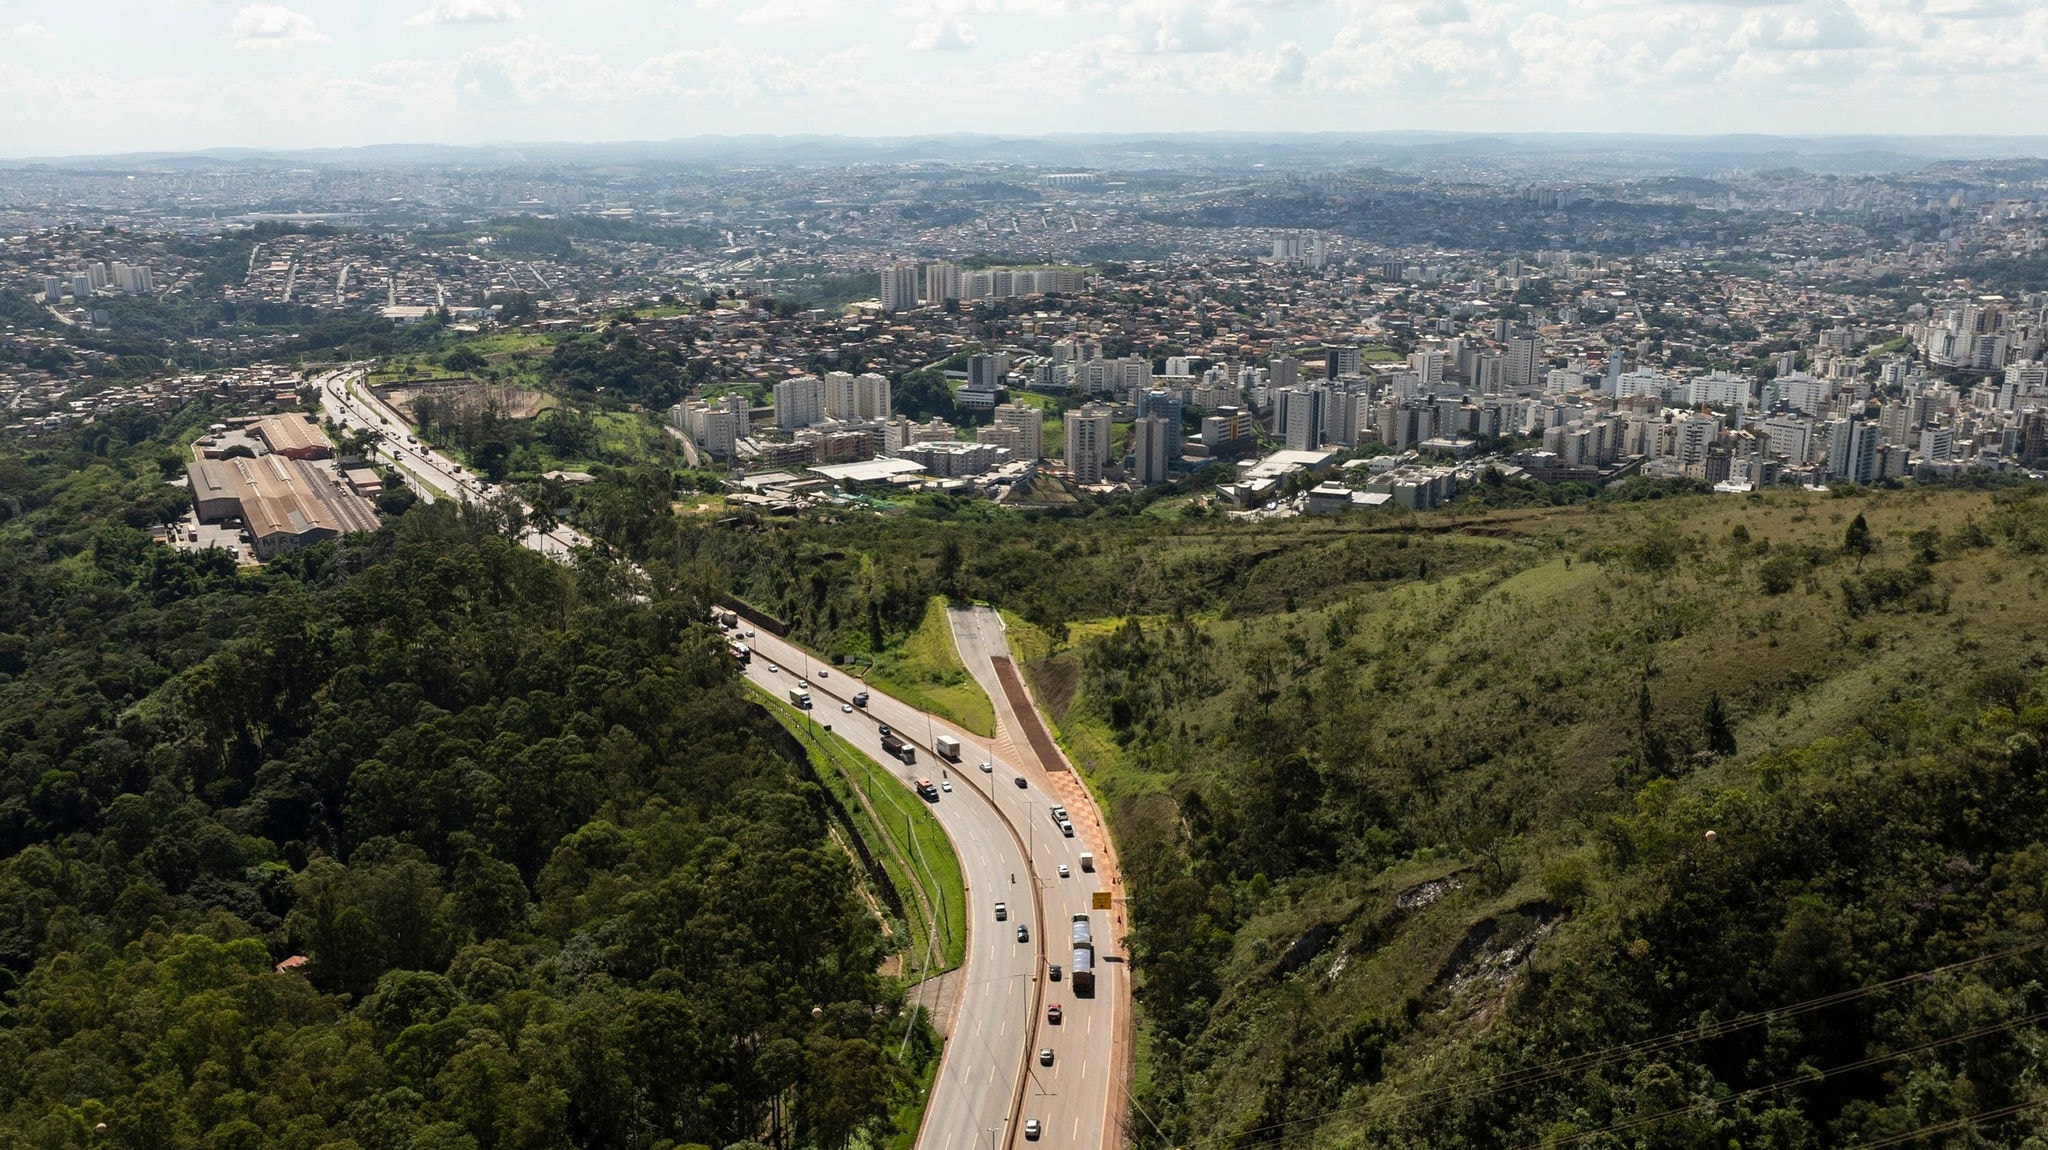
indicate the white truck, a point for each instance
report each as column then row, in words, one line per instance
column 948, row 747
column 800, row 698
column 1087, row 860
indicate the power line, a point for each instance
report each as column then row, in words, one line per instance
column 1955, row 1124
column 1592, row 1060
column 1799, row 1080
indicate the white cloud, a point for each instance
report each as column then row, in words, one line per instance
column 943, row 35
column 785, row 13
column 30, row 31
column 1188, row 25
column 260, row 27
column 466, row 12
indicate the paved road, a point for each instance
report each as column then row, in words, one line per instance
column 999, row 830
column 351, row 405
column 1088, row 1086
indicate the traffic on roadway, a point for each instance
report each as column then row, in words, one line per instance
column 348, row 403
column 1030, row 1057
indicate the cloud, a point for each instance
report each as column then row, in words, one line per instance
column 1188, row 25
column 260, row 27
column 1290, row 65
column 785, row 13
column 30, row 31
column 943, row 36
column 466, row 12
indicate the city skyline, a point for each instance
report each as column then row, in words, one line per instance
column 186, row 76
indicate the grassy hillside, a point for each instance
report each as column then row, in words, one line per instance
column 1396, row 837
column 926, row 672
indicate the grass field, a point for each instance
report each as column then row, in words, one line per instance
column 926, row 672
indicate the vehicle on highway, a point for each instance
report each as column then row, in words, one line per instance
column 883, row 730
column 1087, row 860
column 1083, row 964
column 1063, row 870
column 804, row 683
column 1053, row 1014
column 846, row 708
column 898, row 749
column 988, row 768
column 1002, row 911
column 823, row 673
column 1031, row 1129
column 926, row 791
column 1045, row 1056
column 947, row 746
column 1066, row 828
column 1058, row 813
column 772, row 668
column 1021, row 784
column 860, row 698
column 1053, row 972
column 750, row 632
column 946, row 785
column 1023, row 932
column 799, row 699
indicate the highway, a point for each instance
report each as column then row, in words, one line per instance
column 991, row 1080
column 350, row 405
column 1093, row 1085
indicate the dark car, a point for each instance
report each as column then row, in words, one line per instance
column 1053, row 972
column 1023, row 933
column 882, row 729
column 1021, row 783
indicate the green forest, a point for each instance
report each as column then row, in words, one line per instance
column 537, row 872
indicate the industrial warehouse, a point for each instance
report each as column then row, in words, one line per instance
column 289, row 497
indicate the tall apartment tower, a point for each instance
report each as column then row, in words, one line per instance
column 799, row 402
column 1522, row 360
column 1340, row 361
column 1027, row 424
column 1298, row 416
column 941, row 282
column 1088, row 442
column 1157, row 442
column 1284, row 371
column 899, row 287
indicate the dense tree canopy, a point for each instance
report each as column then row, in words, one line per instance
column 556, row 881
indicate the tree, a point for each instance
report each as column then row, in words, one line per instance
column 1856, row 541
column 1715, row 727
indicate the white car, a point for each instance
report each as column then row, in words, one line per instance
column 846, row 708
column 988, row 768
column 1031, row 1129
column 1063, row 870
column 772, row 668
column 946, row 785
column 823, row 673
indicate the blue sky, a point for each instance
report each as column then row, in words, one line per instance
column 178, row 74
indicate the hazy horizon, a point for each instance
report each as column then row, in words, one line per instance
column 185, row 76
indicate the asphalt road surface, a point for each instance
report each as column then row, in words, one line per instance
column 352, row 406
column 991, row 1079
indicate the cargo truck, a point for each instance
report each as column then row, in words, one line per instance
column 1081, row 971
column 1087, row 860
column 800, row 698
column 926, row 791
column 948, row 747
column 897, row 748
